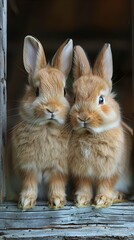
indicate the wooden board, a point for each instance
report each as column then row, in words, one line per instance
column 3, row 11
column 115, row 222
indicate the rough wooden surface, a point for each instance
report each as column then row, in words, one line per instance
column 115, row 222
column 3, row 10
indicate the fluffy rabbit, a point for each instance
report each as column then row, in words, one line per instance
column 40, row 139
column 100, row 145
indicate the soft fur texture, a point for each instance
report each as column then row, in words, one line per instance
column 100, row 145
column 40, row 139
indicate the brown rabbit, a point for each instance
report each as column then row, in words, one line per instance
column 100, row 145
column 40, row 139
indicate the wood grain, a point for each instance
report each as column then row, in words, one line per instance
column 3, row 10
column 115, row 222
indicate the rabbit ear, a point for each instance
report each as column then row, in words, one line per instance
column 33, row 55
column 81, row 63
column 104, row 64
column 62, row 59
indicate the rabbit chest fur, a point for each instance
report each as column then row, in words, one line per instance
column 39, row 148
column 98, row 156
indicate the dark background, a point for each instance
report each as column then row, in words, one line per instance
column 90, row 23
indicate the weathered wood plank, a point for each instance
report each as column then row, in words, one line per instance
column 2, row 137
column 115, row 222
column 80, row 233
column 3, row 10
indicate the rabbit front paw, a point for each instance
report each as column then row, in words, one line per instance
column 82, row 200
column 26, row 202
column 102, row 201
column 57, row 202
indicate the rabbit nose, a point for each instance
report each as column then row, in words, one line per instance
column 81, row 120
column 51, row 112
column 84, row 120
column 48, row 110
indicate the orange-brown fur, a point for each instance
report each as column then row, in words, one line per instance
column 105, row 109
column 85, row 192
column 40, row 139
column 100, row 145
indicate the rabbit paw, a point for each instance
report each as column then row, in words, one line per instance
column 57, row 202
column 26, row 202
column 102, row 201
column 82, row 200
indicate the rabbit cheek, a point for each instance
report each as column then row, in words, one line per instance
column 109, row 114
column 62, row 116
column 96, row 120
column 26, row 111
column 39, row 112
column 105, row 109
column 74, row 121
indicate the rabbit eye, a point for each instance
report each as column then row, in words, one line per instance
column 101, row 99
column 37, row 92
column 65, row 92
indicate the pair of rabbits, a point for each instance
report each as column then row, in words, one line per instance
column 85, row 139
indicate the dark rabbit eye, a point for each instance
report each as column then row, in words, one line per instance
column 65, row 92
column 101, row 99
column 37, row 92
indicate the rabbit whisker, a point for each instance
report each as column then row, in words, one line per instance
column 22, row 70
column 119, row 79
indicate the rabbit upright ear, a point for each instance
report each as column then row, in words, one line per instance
column 33, row 55
column 104, row 64
column 81, row 63
column 62, row 59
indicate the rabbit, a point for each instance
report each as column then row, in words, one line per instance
column 101, row 143
column 40, row 139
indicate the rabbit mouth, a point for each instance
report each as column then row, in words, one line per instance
column 51, row 121
column 84, row 125
column 54, row 120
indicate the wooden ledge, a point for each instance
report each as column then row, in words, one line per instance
column 115, row 222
